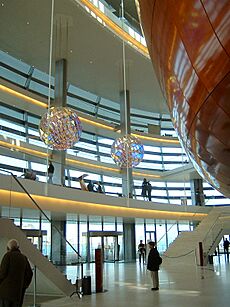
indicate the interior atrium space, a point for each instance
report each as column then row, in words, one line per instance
column 114, row 121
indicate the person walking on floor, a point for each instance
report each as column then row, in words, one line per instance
column 154, row 261
column 141, row 252
column 15, row 276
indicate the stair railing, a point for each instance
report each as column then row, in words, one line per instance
column 211, row 239
column 61, row 252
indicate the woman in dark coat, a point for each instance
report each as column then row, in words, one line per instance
column 15, row 276
column 153, row 265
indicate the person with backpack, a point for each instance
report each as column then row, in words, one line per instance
column 153, row 264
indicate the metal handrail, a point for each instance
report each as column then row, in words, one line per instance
column 213, row 225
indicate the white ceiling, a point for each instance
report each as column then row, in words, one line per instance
column 93, row 53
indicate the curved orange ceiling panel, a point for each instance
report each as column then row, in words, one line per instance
column 189, row 44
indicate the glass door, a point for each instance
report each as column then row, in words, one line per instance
column 110, row 248
column 110, row 244
column 95, row 242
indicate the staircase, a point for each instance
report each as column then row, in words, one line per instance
column 49, row 280
column 210, row 231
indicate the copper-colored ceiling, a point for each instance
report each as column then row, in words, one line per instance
column 189, row 44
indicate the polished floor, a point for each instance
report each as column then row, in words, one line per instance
column 130, row 285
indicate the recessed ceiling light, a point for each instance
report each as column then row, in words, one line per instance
column 91, row 62
column 27, row 22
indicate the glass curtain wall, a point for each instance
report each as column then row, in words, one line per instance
column 79, row 227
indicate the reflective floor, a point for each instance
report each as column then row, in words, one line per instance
column 130, row 285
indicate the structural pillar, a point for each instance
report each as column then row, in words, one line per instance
column 197, row 192
column 58, row 243
column 127, row 176
column 60, row 100
column 129, row 242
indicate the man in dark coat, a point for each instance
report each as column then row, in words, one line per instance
column 15, row 276
column 153, row 265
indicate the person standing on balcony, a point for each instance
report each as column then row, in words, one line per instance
column 91, row 187
column 144, row 189
column 50, row 172
column 99, row 188
column 149, row 190
column 82, row 182
column 15, row 276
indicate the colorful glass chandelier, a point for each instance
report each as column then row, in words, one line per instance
column 60, row 128
column 127, row 151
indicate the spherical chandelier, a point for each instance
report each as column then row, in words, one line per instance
column 127, row 151
column 60, row 128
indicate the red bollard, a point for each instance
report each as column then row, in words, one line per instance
column 201, row 254
column 99, row 270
